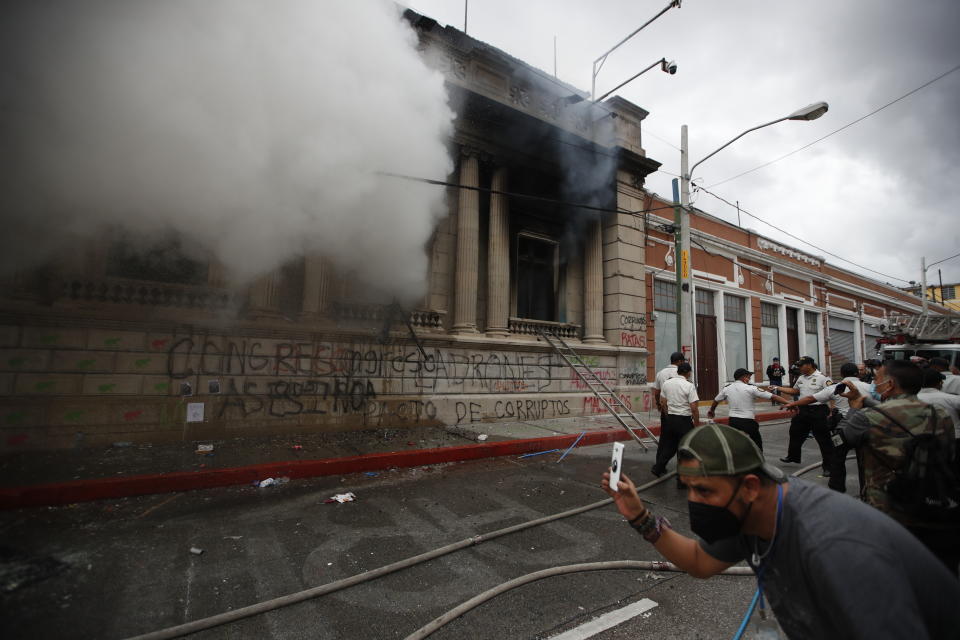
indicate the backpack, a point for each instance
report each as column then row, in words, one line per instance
column 927, row 484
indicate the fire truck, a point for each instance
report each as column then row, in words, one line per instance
column 923, row 335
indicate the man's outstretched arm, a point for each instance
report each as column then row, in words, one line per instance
column 682, row 551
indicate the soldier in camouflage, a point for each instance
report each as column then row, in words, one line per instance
column 881, row 443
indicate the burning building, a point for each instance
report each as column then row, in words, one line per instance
column 145, row 336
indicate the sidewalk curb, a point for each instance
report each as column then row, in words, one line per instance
column 104, row 488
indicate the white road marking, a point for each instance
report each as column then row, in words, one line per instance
column 607, row 620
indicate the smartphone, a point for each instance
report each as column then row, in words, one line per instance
column 841, row 388
column 616, row 462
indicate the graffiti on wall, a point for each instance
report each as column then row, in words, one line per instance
column 528, row 372
column 288, row 379
column 631, row 339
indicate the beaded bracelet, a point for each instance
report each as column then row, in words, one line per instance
column 640, row 519
column 652, row 528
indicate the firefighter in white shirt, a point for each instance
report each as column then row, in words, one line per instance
column 811, row 417
column 841, row 405
column 669, row 371
column 951, row 383
column 741, row 395
column 932, row 393
column 678, row 405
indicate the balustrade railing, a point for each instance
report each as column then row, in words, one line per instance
column 526, row 327
column 420, row 318
column 120, row 291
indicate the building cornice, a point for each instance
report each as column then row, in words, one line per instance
column 798, row 270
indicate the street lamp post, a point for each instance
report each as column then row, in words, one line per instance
column 666, row 67
column 686, row 338
column 598, row 63
column 923, row 284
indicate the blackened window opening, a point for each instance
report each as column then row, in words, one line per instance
column 536, row 279
column 160, row 260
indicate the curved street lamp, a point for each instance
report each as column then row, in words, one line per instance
column 685, row 334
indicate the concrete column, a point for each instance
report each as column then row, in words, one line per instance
column 265, row 294
column 316, row 285
column 216, row 274
column 593, row 285
column 468, row 231
column 498, row 258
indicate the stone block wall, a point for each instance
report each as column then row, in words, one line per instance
column 66, row 387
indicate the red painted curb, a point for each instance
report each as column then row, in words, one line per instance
column 104, row 488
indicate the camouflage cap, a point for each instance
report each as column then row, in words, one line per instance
column 723, row 451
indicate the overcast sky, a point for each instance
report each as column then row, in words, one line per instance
column 882, row 193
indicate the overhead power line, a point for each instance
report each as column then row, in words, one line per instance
column 795, row 237
column 846, row 126
column 956, row 255
column 523, row 196
column 663, row 140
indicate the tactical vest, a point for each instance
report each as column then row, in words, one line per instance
column 883, row 450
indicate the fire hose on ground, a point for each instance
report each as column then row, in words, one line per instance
column 338, row 585
column 646, row 565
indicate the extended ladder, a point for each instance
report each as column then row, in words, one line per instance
column 924, row 328
column 600, row 389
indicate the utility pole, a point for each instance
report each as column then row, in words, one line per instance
column 686, row 337
column 677, row 222
column 923, row 284
column 554, row 56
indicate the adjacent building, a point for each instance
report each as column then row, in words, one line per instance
column 756, row 299
column 944, row 294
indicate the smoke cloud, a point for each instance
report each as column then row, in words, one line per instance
column 252, row 128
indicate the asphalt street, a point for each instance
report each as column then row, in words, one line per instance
column 116, row 569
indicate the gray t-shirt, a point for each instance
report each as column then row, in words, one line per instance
column 841, row 569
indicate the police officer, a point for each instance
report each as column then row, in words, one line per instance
column 669, row 371
column 678, row 405
column 811, row 417
column 741, row 395
column 833, row 392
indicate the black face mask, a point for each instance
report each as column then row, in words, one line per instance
column 714, row 523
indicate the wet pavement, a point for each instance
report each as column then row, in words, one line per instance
column 116, row 568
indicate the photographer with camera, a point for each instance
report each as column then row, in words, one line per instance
column 869, row 372
column 908, row 458
column 810, row 417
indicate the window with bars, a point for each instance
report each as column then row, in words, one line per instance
column 734, row 308
column 948, row 293
column 664, row 296
column 769, row 315
column 704, row 299
column 810, row 320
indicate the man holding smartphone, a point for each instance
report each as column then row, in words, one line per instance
column 806, row 544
